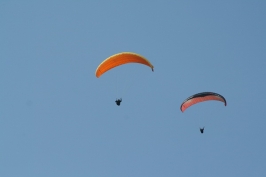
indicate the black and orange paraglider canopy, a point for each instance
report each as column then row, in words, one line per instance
column 201, row 97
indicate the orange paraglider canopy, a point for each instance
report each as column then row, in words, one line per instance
column 120, row 59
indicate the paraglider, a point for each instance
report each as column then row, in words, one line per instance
column 201, row 97
column 120, row 59
column 201, row 130
column 118, row 101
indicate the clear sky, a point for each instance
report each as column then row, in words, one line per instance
column 57, row 119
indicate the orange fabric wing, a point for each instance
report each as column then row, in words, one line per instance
column 120, row 59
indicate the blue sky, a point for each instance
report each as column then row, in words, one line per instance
column 58, row 119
